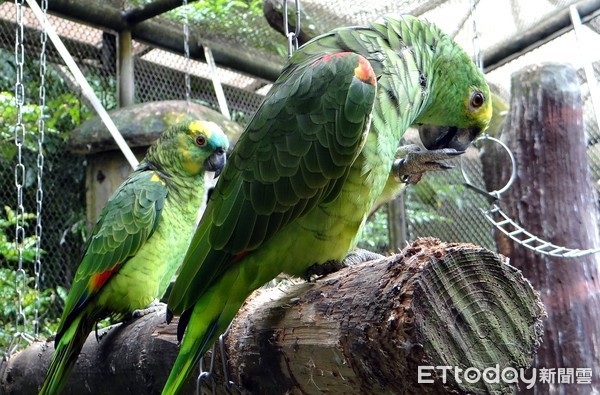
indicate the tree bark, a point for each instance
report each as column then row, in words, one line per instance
column 553, row 198
column 365, row 329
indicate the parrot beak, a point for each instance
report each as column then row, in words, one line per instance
column 436, row 137
column 215, row 162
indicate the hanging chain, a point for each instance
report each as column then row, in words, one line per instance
column 510, row 228
column 208, row 376
column 292, row 37
column 186, row 51
column 39, row 195
column 19, row 131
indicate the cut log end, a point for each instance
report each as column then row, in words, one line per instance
column 367, row 329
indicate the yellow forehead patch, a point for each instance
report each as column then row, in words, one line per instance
column 199, row 126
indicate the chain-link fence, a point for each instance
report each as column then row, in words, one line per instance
column 439, row 206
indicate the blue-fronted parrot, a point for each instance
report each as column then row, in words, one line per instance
column 140, row 238
column 309, row 166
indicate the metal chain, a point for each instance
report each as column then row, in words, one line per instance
column 291, row 36
column 510, row 228
column 208, row 376
column 39, row 196
column 19, row 132
column 186, row 51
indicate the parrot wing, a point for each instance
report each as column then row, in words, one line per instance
column 129, row 218
column 295, row 153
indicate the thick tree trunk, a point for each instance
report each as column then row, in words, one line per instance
column 553, row 199
column 363, row 330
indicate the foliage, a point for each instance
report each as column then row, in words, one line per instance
column 8, row 279
column 62, row 113
column 8, row 252
column 374, row 235
column 8, row 307
column 233, row 19
column 422, row 205
column 426, row 198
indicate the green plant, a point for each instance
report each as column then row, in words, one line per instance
column 65, row 112
column 30, row 297
column 374, row 235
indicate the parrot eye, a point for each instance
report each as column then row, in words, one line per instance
column 201, row 140
column 477, row 99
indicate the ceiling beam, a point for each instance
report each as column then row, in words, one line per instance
column 162, row 35
column 150, row 10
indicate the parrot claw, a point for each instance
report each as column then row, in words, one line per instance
column 415, row 161
column 100, row 333
column 355, row 257
column 152, row 308
column 360, row 255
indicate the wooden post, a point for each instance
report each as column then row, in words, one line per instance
column 365, row 329
column 125, row 71
column 553, row 199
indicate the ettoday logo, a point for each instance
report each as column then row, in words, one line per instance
column 509, row 375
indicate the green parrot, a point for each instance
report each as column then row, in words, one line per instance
column 309, row 166
column 139, row 239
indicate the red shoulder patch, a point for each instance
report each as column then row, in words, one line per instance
column 364, row 71
column 99, row 279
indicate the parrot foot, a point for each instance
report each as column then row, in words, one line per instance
column 355, row 257
column 100, row 333
column 152, row 308
column 415, row 161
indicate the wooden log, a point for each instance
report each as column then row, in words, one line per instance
column 365, row 329
column 553, row 198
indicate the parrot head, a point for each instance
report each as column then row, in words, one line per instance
column 461, row 107
column 191, row 148
column 458, row 104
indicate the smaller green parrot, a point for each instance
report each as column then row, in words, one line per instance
column 140, row 238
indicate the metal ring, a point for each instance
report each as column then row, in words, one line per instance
column 513, row 162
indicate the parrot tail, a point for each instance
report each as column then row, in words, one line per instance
column 210, row 316
column 66, row 352
column 189, row 357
